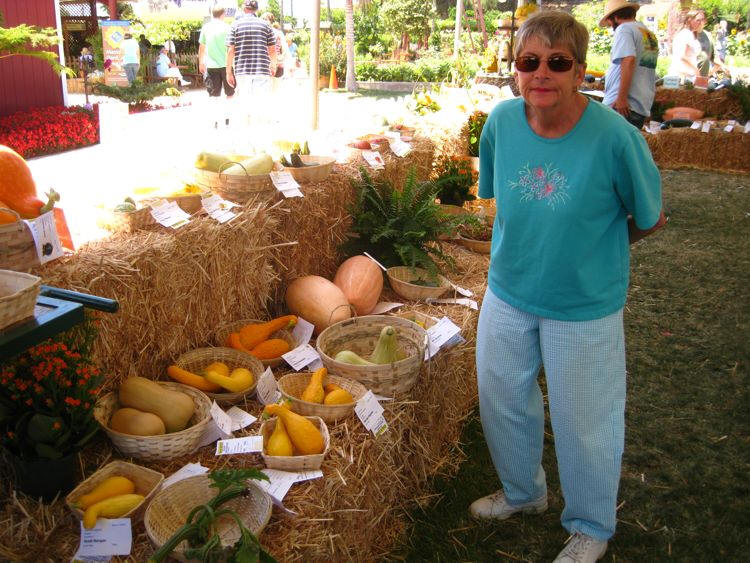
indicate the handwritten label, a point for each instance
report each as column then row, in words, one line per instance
column 370, row 413
column 222, row 419
column 169, row 214
column 654, row 126
column 184, row 472
column 384, row 307
column 728, row 128
column 219, row 208
column 400, row 148
column 696, row 125
column 462, row 291
column 281, row 481
column 747, row 126
column 470, row 303
column 267, row 390
column 301, row 356
column 44, row 233
column 706, row 126
column 671, row 82
column 210, row 434
column 286, row 184
column 240, row 418
column 303, row 331
column 108, row 537
column 245, row 445
column 374, row 159
column 439, row 334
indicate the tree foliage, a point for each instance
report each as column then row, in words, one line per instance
column 411, row 17
column 30, row 41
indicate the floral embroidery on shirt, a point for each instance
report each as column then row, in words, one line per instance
column 542, row 183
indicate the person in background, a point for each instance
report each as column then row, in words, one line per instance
column 165, row 68
column 574, row 185
column 630, row 82
column 131, row 59
column 721, row 40
column 685, row 49
column 171, row 49
column 212, row 62
column 280, row 43
column 706, row 59
column 144, row 45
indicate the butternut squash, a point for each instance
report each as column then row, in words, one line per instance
column 270, row 349
column 239, row 380
column 361, row 280
column 193, row 379
column 305, row 436
column 110, row 487
column 173, row 407
column 279, row 443
column 137, row 423
column 219, row 367
column 233, row 341
column 318, row 301
column 113, row 507
column 253, row 334
column 314, row 392
column 338, row 397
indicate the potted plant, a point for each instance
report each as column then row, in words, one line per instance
column 476, row 236
column 454, row 178
column 475, row 125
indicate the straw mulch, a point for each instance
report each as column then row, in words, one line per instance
column 718, row 104
column 691, row 148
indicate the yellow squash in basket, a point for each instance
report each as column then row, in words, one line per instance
column 338, row 397
column 305, row 437
column 239, row 380
column 314, row 392
column 279, row 443
column 110, row 487
column 113, row 507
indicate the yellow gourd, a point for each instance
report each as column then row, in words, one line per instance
column 338, row 397
column 110, row 487
column 113, row 507
column 239, row 380
column 328, row 387
column 175, row 408
column 137, row 423
column 314, row 392
column 279, row 443
column 193, row 379
column 219, row 367
column 305, row 437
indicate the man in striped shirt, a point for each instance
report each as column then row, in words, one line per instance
column 251, row 59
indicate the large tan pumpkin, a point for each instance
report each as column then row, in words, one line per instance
column 318, row 301
column 361, row 280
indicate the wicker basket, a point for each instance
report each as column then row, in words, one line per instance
column 312, row 173
column 236, row 188
column 292, row 385
column 295, row 462
column 164, row 446
column 196, row 360
column 360, row 335
column 17, row 248
column 189, row 203
column 223, row 333
column 18, row 293
column 126, row 221
column 169, row 510
column 480, row 246
column 425, row 321
column 147, row 483
column 401, row 276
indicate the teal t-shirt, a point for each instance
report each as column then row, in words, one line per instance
column 214, row 37
column 560, row 245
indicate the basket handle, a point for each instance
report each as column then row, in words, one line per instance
column 352, row 310
column 18, row 217
column 224, row 166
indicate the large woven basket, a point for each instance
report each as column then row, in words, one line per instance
column 316, row 173
column 293, row 384
column 164, row 446
column 146, row 481
column 18, row 293
column 224, row 331
column 295, row 462
column 196, row 360
column 169, row 510
column 479, row 246
column 401, row 277
column 360, row 335
column 125, row 221
column 236, row 188
column 17, row 249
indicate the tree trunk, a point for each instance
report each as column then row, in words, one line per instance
column 330, row 14
column 351, row 78
column 480, row 21
column 315, row 64
column 457, row 33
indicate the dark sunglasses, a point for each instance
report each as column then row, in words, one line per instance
column 556, row 63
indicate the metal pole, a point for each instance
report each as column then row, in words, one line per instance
column 512, row 33
column 315, row 62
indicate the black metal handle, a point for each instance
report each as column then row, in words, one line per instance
column 85, row 299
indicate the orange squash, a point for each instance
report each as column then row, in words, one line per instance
column 6, row 217
column 233, row 341
column 270, row 349
column 318, row 301
column 17, row 187
column 253, row 334
column 361, row 280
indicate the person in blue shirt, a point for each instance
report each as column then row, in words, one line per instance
column 574, row 185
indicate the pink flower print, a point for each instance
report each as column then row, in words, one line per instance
column 541, row 183
column 548, row 189
column 538, row 172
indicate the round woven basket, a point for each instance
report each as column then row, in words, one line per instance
column 312, row 173
column 126, row 221
column 169, row 510
column 223, row 333
column 360, row 335
column 292, row 385
column 196, row 360
column 163, row 446
column 480, row 246
column 295, row 462
column 18, row 293
column 401, row 276
column 234, row 187
column 17, row 249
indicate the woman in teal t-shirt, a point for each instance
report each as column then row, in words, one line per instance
column 574, row 185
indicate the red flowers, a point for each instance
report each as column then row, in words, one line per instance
column 49, row 130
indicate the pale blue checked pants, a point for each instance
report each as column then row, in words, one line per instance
column 584, row 364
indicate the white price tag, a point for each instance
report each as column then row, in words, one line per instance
column 184, row 472
column 732, row 122
column 374, row 159
column 400, row 148
column 384, row 307
column 222, row 419
column 308, row 475
column 169, row 214
column 44, row 233
column 267, row 390
column 671, row 82
column 439, row 334
column 470, row 303
column 303, row 331
column 696, row 125
column 279, row 484
column 392, row 135
column 462, row 291
column 747, row 126
column 210, row 434
column 706, row 126
column 728, row 128
column 315, row 365
column 370, row 413
column 654, row 126
column 219, row 208
column 301, row 356
column 240, row 418
column 106, row 538
column 286, row 184
column 246, row 445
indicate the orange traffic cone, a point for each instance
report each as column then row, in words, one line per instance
column 333, row 82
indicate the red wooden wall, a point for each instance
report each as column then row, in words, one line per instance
column 26, row 82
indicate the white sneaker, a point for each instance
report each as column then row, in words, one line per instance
column 184, row 82
column 581, row 548
column 495, row 506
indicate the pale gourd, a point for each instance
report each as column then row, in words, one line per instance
column 387, row 349
column 361, row 281
column 175, row 408
column 318, row 301
column 305, row 436
column 260, row 164
column 349, row 357
column 314, row 392
column 279, row 443
column 137, row 423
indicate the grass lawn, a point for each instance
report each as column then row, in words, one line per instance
column 684, row 493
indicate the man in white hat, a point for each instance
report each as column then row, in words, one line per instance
column 629, row 84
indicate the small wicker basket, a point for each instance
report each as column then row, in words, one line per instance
column 223, row 333
column 401, row 278
column 169, row 510
column 126, row 221
column 360, row 335
column 196, row 360
column 295, row 462
column 425, row 321
column 312, row 173
column 293, row 384
column 234, row 187
column 479, row 246
column 164, row 446
column 147, row 483
column 18, row 293
column 17, row 248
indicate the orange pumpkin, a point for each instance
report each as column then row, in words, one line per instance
column 17, row 187
column 6, row 217
column 361, row 281
column 318, row 301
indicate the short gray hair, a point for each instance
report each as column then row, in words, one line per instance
column 554, row 28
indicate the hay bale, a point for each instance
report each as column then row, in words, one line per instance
column 718, row 104
column 691, row 148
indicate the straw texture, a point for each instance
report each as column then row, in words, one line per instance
column 312, row 173
column 295, row 462
column 196, row 361
column 401, row 276
column 18, row 293
column 293, row 385
column 126, row 221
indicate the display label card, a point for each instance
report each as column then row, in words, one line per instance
column 374, row 260
column 169, row 214
column 222, row 419
column 341, row 155
column 240, row 418
column 44, row 233
column 184, row 472
column 671, row 82
column 439, row 334
column 400, row 148
column 286, row 184
column 301, row 356
column 374, row 159
column 747, row 126
column 470, row 303
column 696, row 125
column 219, row 208
column 384, row 307
column 654, row 126
column 392, row 135
column 728, row 128
column 706, row 126
column 370, row 413
column 108, row 537
column 309, row 475
column 315, row 365
column 245, row 445
column 303, row 331
column 462, row 291
column 380, row 398
column 267, row 390
column 279, row 483
column 210, row 434
column 732, row 122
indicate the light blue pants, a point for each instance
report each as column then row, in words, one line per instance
column 584, row 364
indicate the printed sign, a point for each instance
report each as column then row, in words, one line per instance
column 113, row 34
column 370, row 413
column 44, row 233
column 106, row 538
column 267, row 391
column 246, row 445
